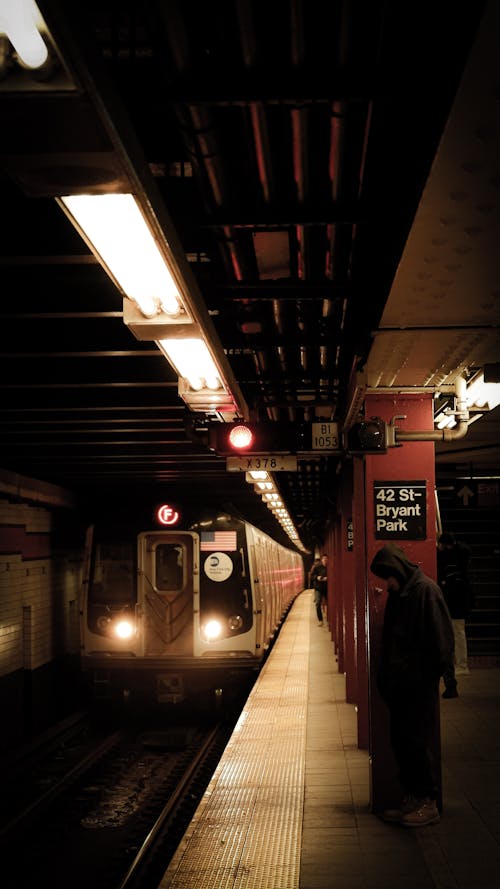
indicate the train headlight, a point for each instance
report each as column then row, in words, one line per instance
column 235, row 622
column 124, row 629
column 212, row 630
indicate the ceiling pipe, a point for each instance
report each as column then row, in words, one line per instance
column 460, row 431
column 335, row 167
column 262, row 148
column 299, row 119
column 257, row 112
column 201, row 137
column 339, row 238
column 263, row 157
column 455, row 434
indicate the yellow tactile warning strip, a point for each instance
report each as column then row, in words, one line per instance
column 246, row 832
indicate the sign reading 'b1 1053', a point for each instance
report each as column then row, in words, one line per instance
column 325, row 436
column 267, row 438
column 400, row 510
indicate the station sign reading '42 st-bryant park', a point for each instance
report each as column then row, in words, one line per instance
column 400, row 510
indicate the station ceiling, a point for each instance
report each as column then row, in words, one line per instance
column 327, row 174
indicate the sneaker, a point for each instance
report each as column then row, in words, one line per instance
column 394, row 816
column 450, row 692
column 425, row 813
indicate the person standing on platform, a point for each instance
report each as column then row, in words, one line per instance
column 316, row 562
column 319, row 578
column 417, row 644
column 453, row 559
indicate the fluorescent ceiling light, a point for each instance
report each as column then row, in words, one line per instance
column 479, row 397
column 482, row 395
column 19, row 20
column 193, row 361
column 445, row 421
column 117, row 232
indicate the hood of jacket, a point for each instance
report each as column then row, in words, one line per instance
column 391, row 561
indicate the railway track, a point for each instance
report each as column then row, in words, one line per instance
column 114, row 817
column 37, row 773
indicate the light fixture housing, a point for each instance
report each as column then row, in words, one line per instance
column 143, row 268
column 201, row 386
column 482, row 396
column 116, row 231
column 479, row 397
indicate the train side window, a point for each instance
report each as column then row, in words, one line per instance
column 169, row 567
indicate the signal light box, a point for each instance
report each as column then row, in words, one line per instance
column 229, row 439
column 368, row 437
column 273, row 438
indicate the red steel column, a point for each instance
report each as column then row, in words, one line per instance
column 403, row 478
column 346, row 586
column 360, row 600
column 338, row 594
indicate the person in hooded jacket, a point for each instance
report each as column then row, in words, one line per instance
column 417, row 647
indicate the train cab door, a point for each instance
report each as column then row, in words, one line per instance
column 168, row 591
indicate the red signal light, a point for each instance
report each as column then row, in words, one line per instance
column 255, row 438
column 241, row 437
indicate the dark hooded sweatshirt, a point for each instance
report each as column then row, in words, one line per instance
column 417, row 636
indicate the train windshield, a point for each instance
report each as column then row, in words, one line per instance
column 113, row 579
column 169, row 567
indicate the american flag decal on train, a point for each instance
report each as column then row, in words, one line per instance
column 211, row 541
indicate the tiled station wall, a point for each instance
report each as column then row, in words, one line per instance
column 40, row 581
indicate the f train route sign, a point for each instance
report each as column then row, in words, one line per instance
column 400, row 509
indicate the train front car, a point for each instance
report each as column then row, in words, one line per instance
column 185, row 617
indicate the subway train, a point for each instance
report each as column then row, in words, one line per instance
column 182, row 617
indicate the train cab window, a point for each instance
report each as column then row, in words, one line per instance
column 113, row 575
column 169, row 567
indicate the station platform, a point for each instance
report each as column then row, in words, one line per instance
column 288, row 806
